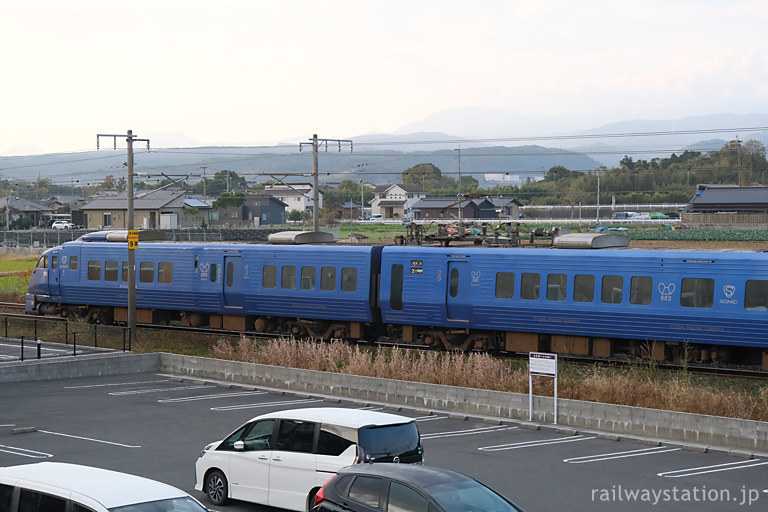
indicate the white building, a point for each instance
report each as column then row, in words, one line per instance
column 395, row 201
column 297, row 196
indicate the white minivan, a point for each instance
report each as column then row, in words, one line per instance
column 61, row 487
column 281, row 459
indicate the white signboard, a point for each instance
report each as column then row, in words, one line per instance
column 544, row 365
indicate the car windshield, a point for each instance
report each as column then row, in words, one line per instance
column 386, row 442
column 170, row 505
column 469, row 495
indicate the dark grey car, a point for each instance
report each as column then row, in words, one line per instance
column 407, row 488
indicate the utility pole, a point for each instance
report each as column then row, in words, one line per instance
column 129, row 139
column 597, row 219
column 315, row 174
column 458, row 186
column 362, row 192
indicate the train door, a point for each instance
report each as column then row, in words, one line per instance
column 54, row 273
column 233, row 282
column 457, row 292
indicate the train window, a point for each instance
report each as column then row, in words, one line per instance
column 110, row 270
column 307, row 278
column 640, row 290
column 328, row 279
column 195, row 263
column 612, row 289
column 54, row 262
column 348, row 279
column 165, row 272
column 697, row 292
column 583, row 288
column 756, row 295
column 213, row 274
column 529, row 286
column 94, row 270
column 73, row 262
column 230, row 274
column 269, row 276
column 505, row 285
column 557, row 286
column 42, row 262
column 288, row 278
column 125, row 272
column 396, row 288
column 147, row 272
column 453, row 283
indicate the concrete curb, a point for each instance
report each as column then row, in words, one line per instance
column 612, row 421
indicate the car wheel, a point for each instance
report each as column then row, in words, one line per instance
column 216, row 487
column 311, row 499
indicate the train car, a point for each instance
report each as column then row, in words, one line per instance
column 321, row 291
column 587, row 302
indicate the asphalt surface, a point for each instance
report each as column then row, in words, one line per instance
column 156, row 425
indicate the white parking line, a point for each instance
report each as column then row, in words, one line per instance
column 531, row 444
column 468, row 432
column 8, row 425
column 157, row 390
column 429, row 418
column 265, row 404
column 209, row 397
column 14, row 450
column 620, row 455
column 116, row 384
column 88, row 439
column 32, row 346
column 715, row 468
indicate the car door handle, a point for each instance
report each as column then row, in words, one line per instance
column 263, row 457
column 277, row 458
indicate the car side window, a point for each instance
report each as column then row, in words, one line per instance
column 259, row 437
column 229, row 443
column 366, row 489
column 76, row 507
column 295, row 436
column 405, row 499
column 333, row 440
column 33, row 501
column 6, row 493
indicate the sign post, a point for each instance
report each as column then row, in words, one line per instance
column 544, row 365
column 133, row 239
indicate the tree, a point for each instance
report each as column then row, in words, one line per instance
column 227, row 199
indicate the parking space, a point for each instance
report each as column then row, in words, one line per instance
column 11, row 349
column 156, row 425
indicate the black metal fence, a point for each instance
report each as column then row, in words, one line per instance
column 38, row 337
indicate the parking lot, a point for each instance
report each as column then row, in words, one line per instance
column 155, row 425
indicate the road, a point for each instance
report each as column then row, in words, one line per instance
column 155, row 425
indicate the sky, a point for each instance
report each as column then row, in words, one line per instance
column 235, row 72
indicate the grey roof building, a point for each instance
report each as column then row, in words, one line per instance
column 167, row 208
column 15, row 207
column 729, row 198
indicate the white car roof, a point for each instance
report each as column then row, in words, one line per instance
column 353, row 418
column 110, row 488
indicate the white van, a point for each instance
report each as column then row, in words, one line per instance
column 61, row 487
column 281, row 459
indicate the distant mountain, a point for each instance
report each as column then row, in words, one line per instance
column 371, row 155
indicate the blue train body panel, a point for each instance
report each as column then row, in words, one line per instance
column 322, row 282
column 636, row 294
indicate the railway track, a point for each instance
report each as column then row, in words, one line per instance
column 723, row 371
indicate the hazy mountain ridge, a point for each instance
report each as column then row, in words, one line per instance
column 382, row 157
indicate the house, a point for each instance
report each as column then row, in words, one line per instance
column 430, row 208
column 257, row 210
column 506, row 207
column 164, row 209
column 727, row 206
column 396, row 201
column 296, row 196
column 16, row 208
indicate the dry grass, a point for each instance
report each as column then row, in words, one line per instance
column 640, row 386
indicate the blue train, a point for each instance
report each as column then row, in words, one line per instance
column 661, row 304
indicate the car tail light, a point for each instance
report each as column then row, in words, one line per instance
column 319, row 496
